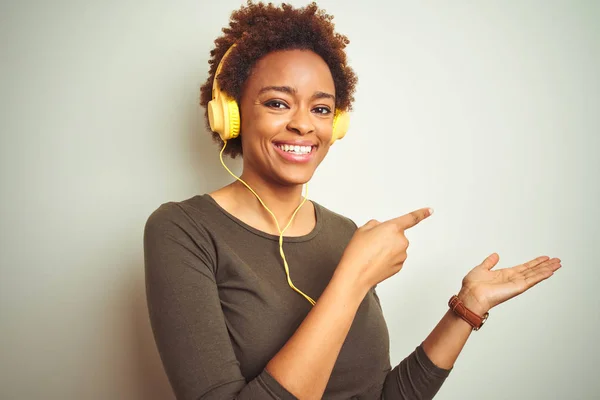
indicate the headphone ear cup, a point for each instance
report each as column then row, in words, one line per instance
column 224, row 117
column 215, row 116
column 233, row 117
column 341, row 123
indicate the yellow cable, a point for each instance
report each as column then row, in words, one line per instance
column 285, row 264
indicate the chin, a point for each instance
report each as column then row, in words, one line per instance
column 294, row 178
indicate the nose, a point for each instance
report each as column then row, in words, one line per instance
column 301, row 122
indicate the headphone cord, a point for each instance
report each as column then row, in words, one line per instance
column 285, row 264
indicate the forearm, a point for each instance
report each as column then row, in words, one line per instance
column 304, row 364
column 447, row 339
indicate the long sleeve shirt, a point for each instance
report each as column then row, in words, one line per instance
column 221, row 308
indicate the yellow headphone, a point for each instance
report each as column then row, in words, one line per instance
column 224, row 118
column 224, row 113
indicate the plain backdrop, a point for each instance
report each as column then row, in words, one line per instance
column 489, row 112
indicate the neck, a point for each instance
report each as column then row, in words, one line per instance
column 281, row 200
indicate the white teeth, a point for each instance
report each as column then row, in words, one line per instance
column 295, row 149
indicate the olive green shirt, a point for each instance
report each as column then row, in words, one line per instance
column 221, row 308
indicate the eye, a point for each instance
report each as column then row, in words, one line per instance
column 276, row 104
column 322, row 110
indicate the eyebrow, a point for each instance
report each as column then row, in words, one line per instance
column 293, row 91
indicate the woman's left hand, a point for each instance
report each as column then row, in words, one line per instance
column 483, row 288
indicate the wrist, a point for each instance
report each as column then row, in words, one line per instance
column 351, row 281
column 471, row 302
column 465, row 313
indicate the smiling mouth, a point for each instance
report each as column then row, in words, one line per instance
column 293, row 149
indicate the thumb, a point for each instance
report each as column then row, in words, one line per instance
column 490, row 261
column 371, row 224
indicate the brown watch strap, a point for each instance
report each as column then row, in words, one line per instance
column 462, row 311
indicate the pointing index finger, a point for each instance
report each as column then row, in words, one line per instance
column 411, row 219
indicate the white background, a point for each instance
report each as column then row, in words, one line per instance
column 488, row 112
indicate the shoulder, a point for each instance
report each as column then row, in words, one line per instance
column 178, row 230
column 179, row 216
column 334, row 219
column 179, row 210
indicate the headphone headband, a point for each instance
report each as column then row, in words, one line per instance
column 215, row 85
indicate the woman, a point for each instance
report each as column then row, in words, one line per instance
column 234, row 316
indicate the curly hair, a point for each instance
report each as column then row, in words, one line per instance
column 258, row 29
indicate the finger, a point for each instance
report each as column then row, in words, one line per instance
column 397, row 267
column 371, row 224
column 531, row 264
column 549, row 265
column 556, row 266
column 546, row 264
column 490, row 261
column 402, row 258
column 411, row 219
column 540, row 275
column 531, row 278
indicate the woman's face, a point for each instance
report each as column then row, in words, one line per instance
column 287, row 107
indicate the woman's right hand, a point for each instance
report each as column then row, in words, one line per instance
column 378, row 249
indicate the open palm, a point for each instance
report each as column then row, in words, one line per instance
column 486, row 288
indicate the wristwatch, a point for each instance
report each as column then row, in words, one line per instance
column 462, row 311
